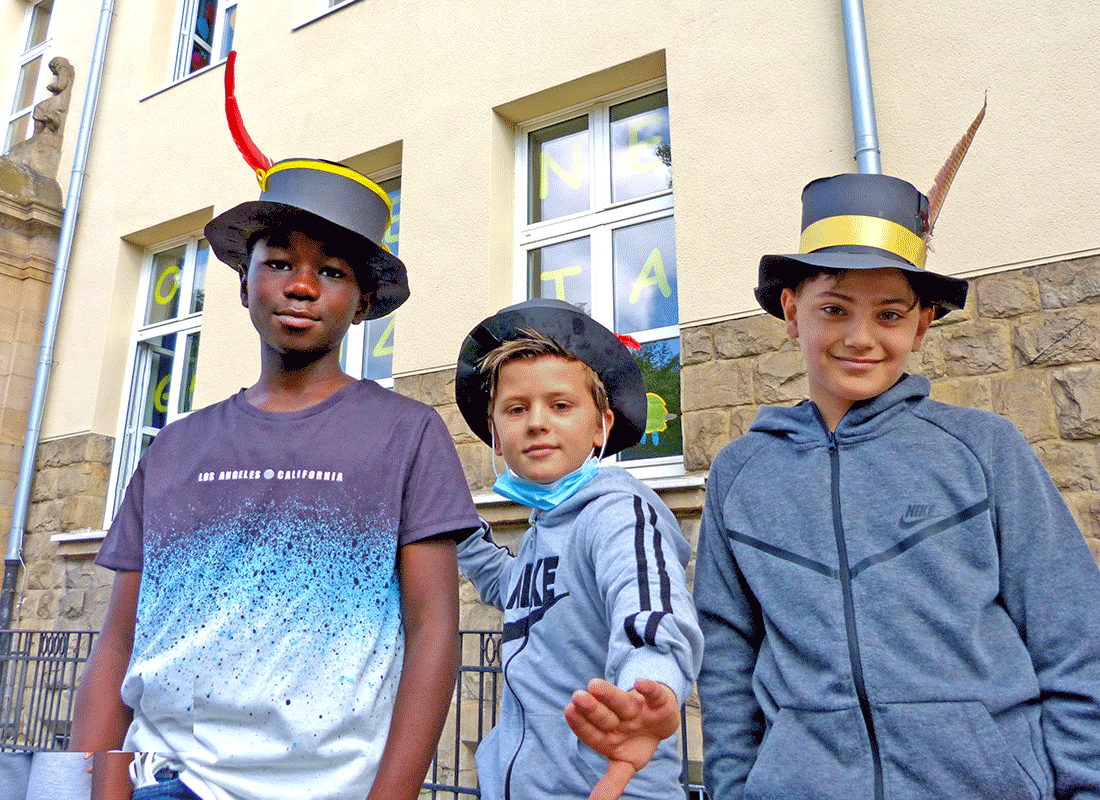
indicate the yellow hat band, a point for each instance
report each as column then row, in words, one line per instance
column 853, row 229
column 322, row 166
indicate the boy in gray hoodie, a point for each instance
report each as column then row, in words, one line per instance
column 596, row 594
column 896, row 601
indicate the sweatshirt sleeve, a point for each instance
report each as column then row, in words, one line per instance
column 1051, row 588
column 639, row 556
column 733, row 723
column 486, row 565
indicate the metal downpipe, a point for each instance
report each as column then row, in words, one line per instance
column 13, row 558
column 859, row 86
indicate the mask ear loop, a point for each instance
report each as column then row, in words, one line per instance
column 603, row 429
column 493, row 445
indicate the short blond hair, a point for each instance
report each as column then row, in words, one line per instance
column 533, row 344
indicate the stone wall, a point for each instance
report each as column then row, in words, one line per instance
column 61, row 589
column 1026, row 346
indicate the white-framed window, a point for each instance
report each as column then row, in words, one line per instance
column 205, row 35
column 31, row 74
column 368, row 347
column 594, row 222
column 163, row 352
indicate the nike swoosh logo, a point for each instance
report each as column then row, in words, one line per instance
column 907, row 522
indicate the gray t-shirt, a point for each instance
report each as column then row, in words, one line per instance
column 268, row 643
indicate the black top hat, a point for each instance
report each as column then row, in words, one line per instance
column 861, row 221
column 576, row 333
column 322, row 195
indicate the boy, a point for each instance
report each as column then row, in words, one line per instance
column 896, row 601
column 597, row 589
column 295, row 630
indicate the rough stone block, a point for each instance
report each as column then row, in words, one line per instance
column 1069, row 283
column 716, row 384
column 968, row 392
column 928, row 361
column 1068, row 337
column 750, row 336
column 696, row 345
column 44, row 518
column 1077, row 397
column 477, row 465
column 456, row 424
column 407, row 386
column 976, row 348
column 1007, row 294
column 1085, row 507
column 71, row 604
column 44, row 485
column 1024, row 397
column 81, row 512
column 780, row 377
column 705, row 433
column 1072, row 465
column 437, row 388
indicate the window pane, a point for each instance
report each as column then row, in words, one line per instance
column 198, row 294
column 641, row 151
column 644, row 258
column 17, row 131
column 660, row 363
column 558, row 170
column 191, row 350
column 40, row 22
column 227, row 31
column 562, row 271
column 24, row 89
column 206, row 14
column 200, row 57
column 378, row 348
column 160, row 352
column 164, row 286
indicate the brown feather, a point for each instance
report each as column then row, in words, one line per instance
column 938, row 192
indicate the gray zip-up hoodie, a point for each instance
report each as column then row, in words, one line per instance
column 903, row 609
column 597, row 589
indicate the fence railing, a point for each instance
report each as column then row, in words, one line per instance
column 39, row 671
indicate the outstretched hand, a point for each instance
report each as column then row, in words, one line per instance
column 624, row 727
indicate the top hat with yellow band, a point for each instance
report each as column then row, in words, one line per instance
column 860, row 221
column 322, row 198
column 326, row 198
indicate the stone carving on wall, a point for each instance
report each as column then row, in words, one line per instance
column 42, row 151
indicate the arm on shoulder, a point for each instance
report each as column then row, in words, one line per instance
column 428, row 571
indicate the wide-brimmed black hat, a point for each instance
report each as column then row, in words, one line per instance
column 577, row 334
column 323, row 196
column 861, row 221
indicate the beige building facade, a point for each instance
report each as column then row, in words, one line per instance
column 624, row 154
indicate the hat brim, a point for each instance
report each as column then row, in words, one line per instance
column 576, row 333
column 381, row 275
column 778, row 272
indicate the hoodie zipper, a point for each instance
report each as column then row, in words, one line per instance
column 850, row 616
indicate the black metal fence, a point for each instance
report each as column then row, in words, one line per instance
column 39, row 671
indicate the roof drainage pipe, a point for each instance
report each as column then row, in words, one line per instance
column 13, row 558
column 859, row 86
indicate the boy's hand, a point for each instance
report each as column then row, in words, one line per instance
column 624, row 727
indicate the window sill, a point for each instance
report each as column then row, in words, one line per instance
column 683, row 494
column 184, row 79
column 323, row 13
column 78, row 544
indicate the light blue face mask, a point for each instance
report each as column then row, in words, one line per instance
column 544, row 496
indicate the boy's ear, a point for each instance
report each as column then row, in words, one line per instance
column 495, row 439
column 243, row 275
column 604, row 432
column 365, row 303
column 789, row 300
column 923, row 324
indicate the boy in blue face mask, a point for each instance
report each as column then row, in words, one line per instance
column 596, row 593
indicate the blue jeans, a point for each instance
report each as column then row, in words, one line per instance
column 167, row 787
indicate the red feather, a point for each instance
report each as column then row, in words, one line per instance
column 630, row 342
column 252, row 155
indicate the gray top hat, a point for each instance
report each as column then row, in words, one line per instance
column 326, row 196
column 860, row 221
column 576, row 333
